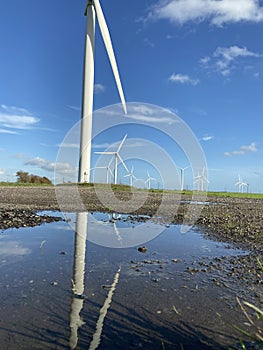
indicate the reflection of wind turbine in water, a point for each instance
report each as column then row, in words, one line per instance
column 93, row 9
column 116, row 217
column 116, row 157
column 78, row 286
column 78, row 277
column 131, row 176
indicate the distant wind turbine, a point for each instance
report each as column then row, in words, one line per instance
column 131, row 176
column 108, row 172
column 197, row 181
column 148, row 180
column 200, row 180
column 93, row 9
column 116, row 157
column 240, row 184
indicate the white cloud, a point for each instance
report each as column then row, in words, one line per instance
column 14, row 110
column 2, row 171
column 36, row 161
column 68, row 145
column 16, row 118
column 207, row 137
column 5, row 131
column 12, row 249
column 148, row 42
column 60, row 167
column 243, row 150
column 101, row 145
column 183, row 79
column 152, row 119
column 99, row 88
column 216, row 12
column 74, row 108
column 250, row 148
column 224, row 59
column 150, row 114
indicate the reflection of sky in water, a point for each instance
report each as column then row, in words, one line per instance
column 40, row 277
column 123, row 231
column 13, row 248
column 113, row 231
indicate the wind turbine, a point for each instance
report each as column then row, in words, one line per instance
column 131, row 176
column 93, row 10
column 116, row 157
column 203, row 179
column 197, row 181
column 108, row 172
column 200, row 180
column 244, row 184
column 239, row 184
column 149, row 178
column 182, row 177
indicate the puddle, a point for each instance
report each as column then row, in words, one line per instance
column 60, row 290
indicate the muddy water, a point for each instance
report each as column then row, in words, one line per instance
column 62, row 289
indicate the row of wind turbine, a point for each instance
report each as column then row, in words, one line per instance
column 241, row 184
column 200, row 180
column 116, row 157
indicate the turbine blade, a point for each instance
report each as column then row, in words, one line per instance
column 122, row 161
column 107, row 41
column 111, row 162
column 110, row 171
column 122, row 142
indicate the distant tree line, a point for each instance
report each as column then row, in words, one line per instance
column 26, row 178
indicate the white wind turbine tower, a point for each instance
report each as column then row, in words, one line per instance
column 93, row 9
column 116, row 157
column 131, row 176
column 149, row 178
column 182, row 177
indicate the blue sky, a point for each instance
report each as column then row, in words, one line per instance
column 201, row 59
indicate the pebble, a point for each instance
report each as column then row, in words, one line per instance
column 142, row 249
column 16, row 218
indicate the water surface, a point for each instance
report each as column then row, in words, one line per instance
column 60, row 290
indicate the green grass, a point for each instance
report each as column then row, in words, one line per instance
column 257, row 335
column 235, row 195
